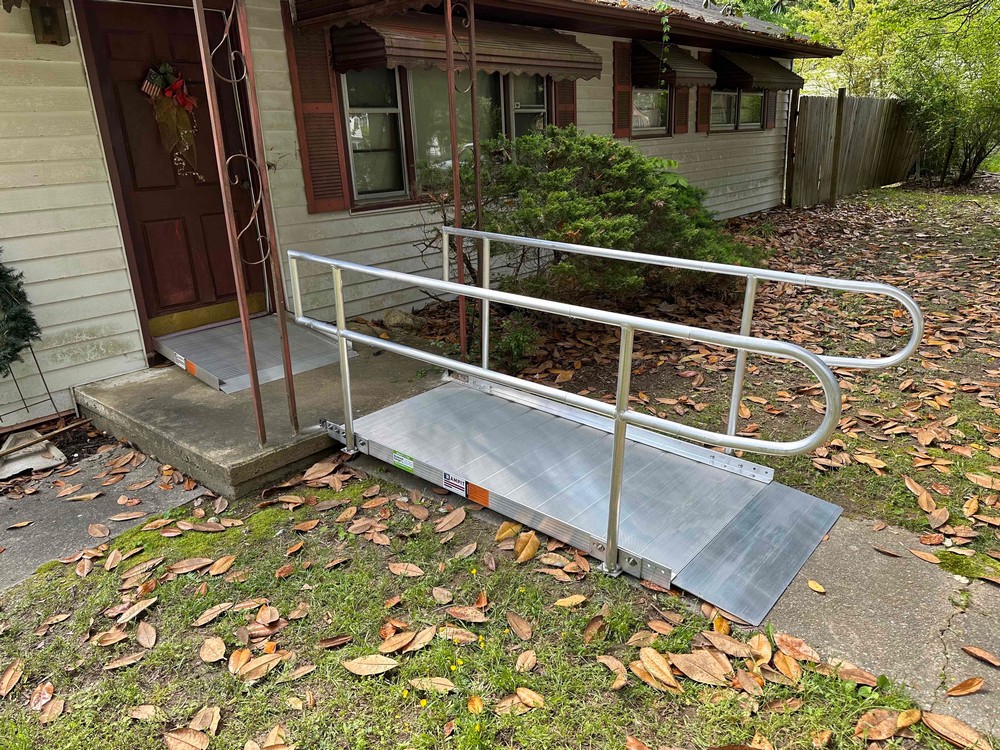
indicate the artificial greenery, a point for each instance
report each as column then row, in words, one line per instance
column 18, row 327
column 566, row 185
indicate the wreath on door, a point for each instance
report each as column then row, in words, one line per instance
column 173, row 109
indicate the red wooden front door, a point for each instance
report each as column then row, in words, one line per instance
column 175, row 218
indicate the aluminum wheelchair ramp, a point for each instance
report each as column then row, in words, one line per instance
column 712, row 525
column 635, row 490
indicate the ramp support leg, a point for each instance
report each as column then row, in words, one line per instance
column 611, row 565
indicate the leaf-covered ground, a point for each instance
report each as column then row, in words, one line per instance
column 918, row 445
column 349, row 613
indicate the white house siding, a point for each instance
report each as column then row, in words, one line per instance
column 385, row 238
column 58, row 223
column 742, row 171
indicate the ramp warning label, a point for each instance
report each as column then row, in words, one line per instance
column 453, row 483
column 402, row 461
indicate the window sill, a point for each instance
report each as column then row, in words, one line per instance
column 648, row 135
column 395, row 204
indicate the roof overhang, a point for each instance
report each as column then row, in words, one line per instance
column 418, row 40
column 604, row 17
column 737, row 70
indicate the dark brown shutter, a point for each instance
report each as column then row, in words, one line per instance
column 682, row 109
column 703, row 104
column 622, row 103
column 564, row 104
column 317, row 115
column 770, row 109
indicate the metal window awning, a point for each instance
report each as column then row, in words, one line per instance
column 653, row 64
column 738, row 70
column 417, row 40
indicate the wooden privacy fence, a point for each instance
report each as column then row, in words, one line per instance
column 872, row 136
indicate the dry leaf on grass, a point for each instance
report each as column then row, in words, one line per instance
column 186, row 739
column 571, row 601
column 877, row 725
column 700, row 666
column 10, row 677
column 526, row 662
column 519, row 626
column 433, row 684
column 795, row 648
column 212, row 650
column 621, row 676
column 405, row 570
column 366, row 666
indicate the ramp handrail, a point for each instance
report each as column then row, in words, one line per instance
column 620, row 412
column 752, row 276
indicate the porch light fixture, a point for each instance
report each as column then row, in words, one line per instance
column 49, row 20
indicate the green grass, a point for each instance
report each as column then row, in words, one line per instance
column 381, row 712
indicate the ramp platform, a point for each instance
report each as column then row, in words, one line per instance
column 713, row 525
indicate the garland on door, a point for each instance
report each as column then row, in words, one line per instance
column 173, row 109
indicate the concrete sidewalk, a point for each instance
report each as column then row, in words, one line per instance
column 59, row 526
column 898, row 616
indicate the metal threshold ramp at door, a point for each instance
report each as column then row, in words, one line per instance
column 715, row 526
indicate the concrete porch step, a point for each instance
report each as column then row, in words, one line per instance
column 210, row 435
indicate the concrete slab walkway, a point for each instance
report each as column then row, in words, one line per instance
column 59, row 526
column 898, row 616
column 211, row 435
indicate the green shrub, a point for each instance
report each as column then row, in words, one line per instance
column 518, row 339
column 570, row 186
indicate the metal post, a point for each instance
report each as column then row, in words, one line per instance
column 484, row 282
column 618, row 452
column 445, row 254
column 227, row 205
column 293, row 268
column 277, row 273
column 345, row 369
column 456, row 175
column 741, row 357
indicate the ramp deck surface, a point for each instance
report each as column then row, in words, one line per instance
column 733, row 539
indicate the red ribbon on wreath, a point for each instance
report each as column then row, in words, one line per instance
column 172, row 108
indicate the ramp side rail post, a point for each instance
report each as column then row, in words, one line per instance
column 345, row 368
column 484, row 282
column 622, row 392
column 746, row 321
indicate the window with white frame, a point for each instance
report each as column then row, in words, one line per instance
column 650, row 108
column 724, row 110
column 429, row 110
column 751, row 109
column 393, row 141
column 529, row 104
column 375, row 133
column 738, row 109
